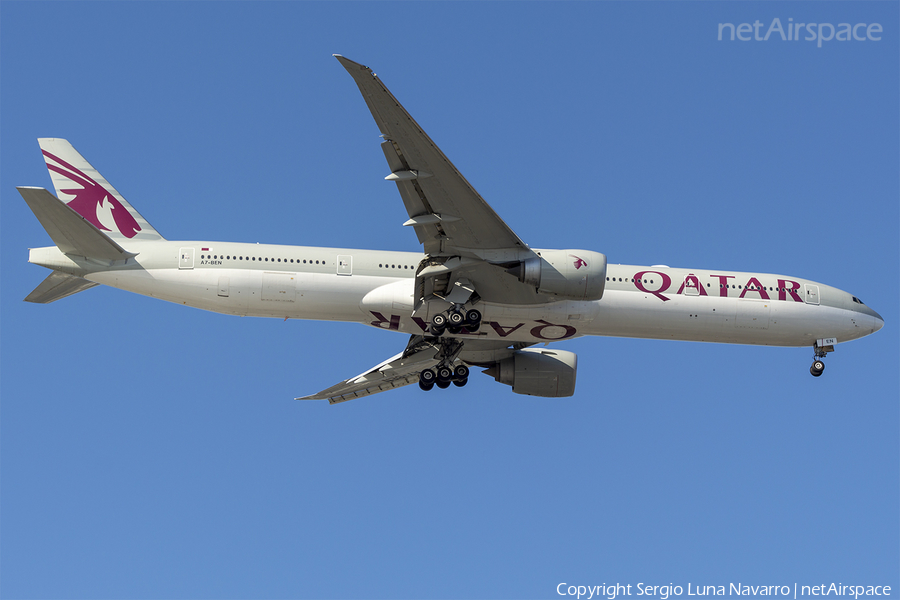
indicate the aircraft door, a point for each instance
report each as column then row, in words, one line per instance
column 812, row 294
column 344, row 265
column 690, row 286
column 223, row 287
column 186, row 258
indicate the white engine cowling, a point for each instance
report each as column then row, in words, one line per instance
column 570, row 274
column 538, row 372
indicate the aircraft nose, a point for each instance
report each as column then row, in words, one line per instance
column 874, row 319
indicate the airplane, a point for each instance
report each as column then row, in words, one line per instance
column 475, row 296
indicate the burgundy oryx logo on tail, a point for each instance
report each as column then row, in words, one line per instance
column 92, row 198
column 579, row 262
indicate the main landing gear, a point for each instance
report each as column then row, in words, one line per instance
column 443, row 376
column 455, row 320
column 444, row 373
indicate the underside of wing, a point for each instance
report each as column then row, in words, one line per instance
column 445, row 210
column 421, row 354
column 397, row 371
column 371, row 382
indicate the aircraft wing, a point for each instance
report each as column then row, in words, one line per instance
column 448, row 215
column 403, row 369
column 397, row 371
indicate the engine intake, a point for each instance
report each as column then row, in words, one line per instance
column 569, row 274
column 538, row 372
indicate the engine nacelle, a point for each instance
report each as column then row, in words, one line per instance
column 569, row 274
column 538, row 372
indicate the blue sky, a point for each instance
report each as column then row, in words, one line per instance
column 154, row 451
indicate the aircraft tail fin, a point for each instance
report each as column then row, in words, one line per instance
column 70, row 231
column 81, row 187
column 58, row 285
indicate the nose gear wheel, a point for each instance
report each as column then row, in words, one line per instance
column 817, row 368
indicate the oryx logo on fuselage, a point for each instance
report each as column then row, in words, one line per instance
column 579, row 262
column 91, row 200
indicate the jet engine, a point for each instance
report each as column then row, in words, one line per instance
column 569, row 274
column 538, row 372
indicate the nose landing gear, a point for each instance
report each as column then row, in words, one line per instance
column 821, row 348
column 817, row 368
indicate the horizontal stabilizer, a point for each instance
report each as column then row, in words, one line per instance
column 71, row 232
column 58, row 285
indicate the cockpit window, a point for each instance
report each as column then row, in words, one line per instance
column 858, row 301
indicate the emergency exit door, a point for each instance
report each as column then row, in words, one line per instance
column 186, row 258
column 345, row 265
column 812, row 294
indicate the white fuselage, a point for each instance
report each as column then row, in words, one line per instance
column 376, row 288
